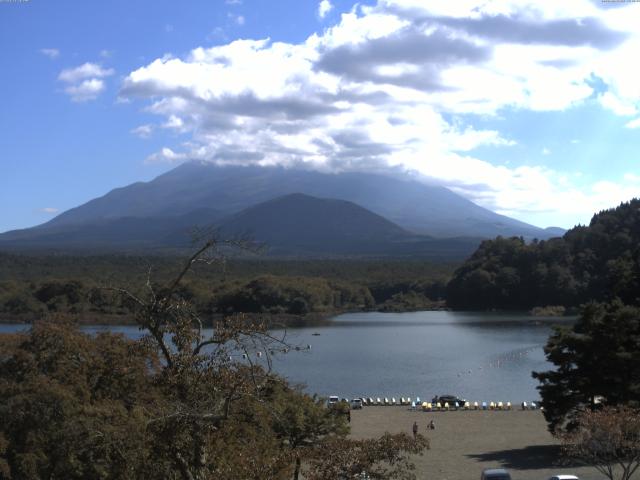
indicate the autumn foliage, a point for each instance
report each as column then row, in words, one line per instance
column 608, row 439
column 185, row 401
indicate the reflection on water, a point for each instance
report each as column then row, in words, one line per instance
column 479, row 356
column 443, row 318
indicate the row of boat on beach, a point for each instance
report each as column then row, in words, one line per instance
column 444, row 406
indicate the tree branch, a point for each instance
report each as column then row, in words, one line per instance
column 187, row 266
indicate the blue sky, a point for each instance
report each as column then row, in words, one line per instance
column 531, row 110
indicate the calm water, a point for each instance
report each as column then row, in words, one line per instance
column 479, row 356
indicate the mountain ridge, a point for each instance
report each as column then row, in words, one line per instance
column 299, row 223
column 343, row 213
column 290, row 225
column 415, row 206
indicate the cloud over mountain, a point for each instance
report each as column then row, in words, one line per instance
column 396, row 85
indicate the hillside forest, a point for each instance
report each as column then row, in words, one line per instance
column 598, row 262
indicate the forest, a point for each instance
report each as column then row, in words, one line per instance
column 80, row 285
column 598, row 262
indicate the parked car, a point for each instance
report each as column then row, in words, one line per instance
column 564, row 477
column 450, row 399
column 356, row 403
column 495, row 474
column 333, row 400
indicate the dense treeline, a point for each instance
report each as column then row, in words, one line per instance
column 599, row 262
column 295, row 295
column 132, row 268
column 32, row 286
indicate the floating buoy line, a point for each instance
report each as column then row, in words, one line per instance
column 502, row 360
column 271, row 352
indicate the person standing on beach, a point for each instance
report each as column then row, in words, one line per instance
column 415, row 429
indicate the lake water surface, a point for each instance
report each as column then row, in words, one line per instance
column 479, row 356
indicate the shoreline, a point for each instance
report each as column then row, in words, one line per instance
column 274, row 320
column 278, row 320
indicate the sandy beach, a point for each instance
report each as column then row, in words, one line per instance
column 466, row 442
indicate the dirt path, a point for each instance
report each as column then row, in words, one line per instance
column 466, row 442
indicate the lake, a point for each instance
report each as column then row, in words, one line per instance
column 478, row 356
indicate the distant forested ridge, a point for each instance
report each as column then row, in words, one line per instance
column 31, row 286
column 597, row 262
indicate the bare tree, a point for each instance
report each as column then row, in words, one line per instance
column 607, row 439
column 205, row 370
column 212, row 379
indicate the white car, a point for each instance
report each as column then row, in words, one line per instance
column 333, row 400
column 495, row 474
column 356, row 403
column 564, row 477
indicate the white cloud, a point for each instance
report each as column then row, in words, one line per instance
column 616, row 105
column 86, row 70
column 52, row 53
column 233, row 2
column 546, row 151
column 84, row 82
column 391, row 84
column 175, row 123
column 635, row 123
column 237, row 19
column 49, row 210
column 85, row 90
column 143, row 131
column 569, row 204
column 324, row 7
column 166, row 155
column 106, row 53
